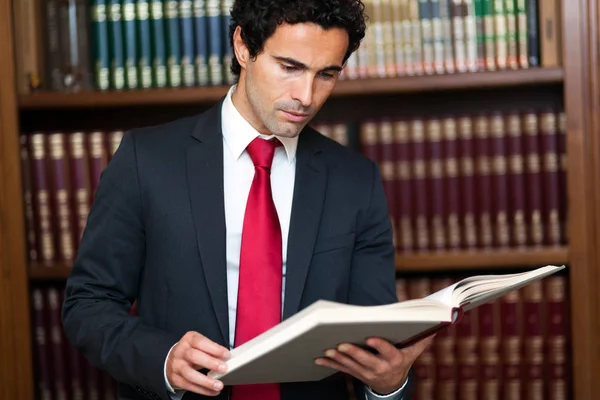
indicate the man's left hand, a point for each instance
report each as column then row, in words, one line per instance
column 384, row 372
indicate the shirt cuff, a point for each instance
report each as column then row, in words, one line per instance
column 173, row 394
column 397, row 395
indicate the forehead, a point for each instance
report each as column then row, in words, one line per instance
column 308, row 43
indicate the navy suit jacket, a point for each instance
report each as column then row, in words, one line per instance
column 156, row 233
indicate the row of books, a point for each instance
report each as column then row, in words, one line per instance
column 137, row 44
column 416, row 37
column 516, row 348
column 468, row 181
column 60, row 371
column 60, row 174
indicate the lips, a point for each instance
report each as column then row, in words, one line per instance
column 295, row 117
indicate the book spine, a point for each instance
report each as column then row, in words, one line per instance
column 114, row 141
column 62, row 196
column 398, row 10
column 446, row 19
column 144, row 40
column 419, row 173
column 83, row 35
column 562, row 175
column 42, row 199
column 53, row 48
column 436, row 193
column 339, row 133
column 500, row 28
column 29, row 47
column 480, row 26
column 26, row 181
column 483, row 180
column 426, row 36
column 407, row 37
column 532, row 33
column 489, row 354
column 438, row 36
column 512, row 39
column 186, row 23
column 533, row 178
column 458, row 13
column 403, row 153
column 227, row 5
column 557, row 323
column 533, row 317
column 215, row 51
column 80, row 177
column 549, row 15
column 467, row 356
column 444, row 350
column 522, row 33
column 425, row 365
column 510, row 317
column 467, row 183
column 159, row 53
column 378, row 66
column 490, row 35
column 98, row 158
column 201, row 42
column 43, row 375
column 369, row 139
column 550, row 171
column 417, row 37
column 130, row 44
column 388, row 38
column 386, row 150
column 452, row 183
column 516, row 175
column 470, row 35
column 115, row 39
column 59, row 367
column 100, row 45
column 499, row 181
column 173, row 42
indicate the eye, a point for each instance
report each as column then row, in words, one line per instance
column 327, row 75
column 289, row 68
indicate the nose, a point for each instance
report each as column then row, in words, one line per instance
column 303, row 90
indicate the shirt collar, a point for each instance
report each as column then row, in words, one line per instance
column 238, row 132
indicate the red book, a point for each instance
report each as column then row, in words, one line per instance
column 489, row 355
column 26, row 181
column 557, row 328
column 516, row 180
column 98, row 158
column 550, row 174
column 385, row 140
column 467, row 182
column 533, row 178
column 483, row 181
column 419, row 173
column 467, row 356
column 533, row 317
column 435, row 189
column 500, row 220
column 403, row 154
column 41, row 344
column 511, row 326
column 452, row 182
column 80, row 178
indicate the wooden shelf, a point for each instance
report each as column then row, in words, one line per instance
column 496, row 259
column 211, row 94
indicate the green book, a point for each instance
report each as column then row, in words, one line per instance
column 173, row 43
column 500, row 29
column 159, row 59
column 116, row 53
column 490, row 35
column 100, row 45
column 144, row 41
column 130, row 42
column 522, row 33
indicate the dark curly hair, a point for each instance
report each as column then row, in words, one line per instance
column 258, row 20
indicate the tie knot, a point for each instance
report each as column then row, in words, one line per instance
column 261, row 151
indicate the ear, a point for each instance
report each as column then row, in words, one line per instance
column 239, row 48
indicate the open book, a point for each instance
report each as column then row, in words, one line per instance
column 286, row 352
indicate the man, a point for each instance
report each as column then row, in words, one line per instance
column 223, row 223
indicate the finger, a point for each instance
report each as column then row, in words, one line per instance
column 199, row 360
column 329, row 363
column 188, row 378
column 202, row 343
column 385, row 349
column 365, row 358
column 415, row 350
column 348, row 363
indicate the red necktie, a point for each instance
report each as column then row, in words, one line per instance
column 259, row 293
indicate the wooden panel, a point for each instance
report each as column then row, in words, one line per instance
column 534, row 76
column 41, row 272
column 15, row 350
column 494, row 259
column 583, row 148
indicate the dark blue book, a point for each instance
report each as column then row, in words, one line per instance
column 201, row 42
column 159, row 58
column 116, row 51
column 144, row 44
column 186, row 23
column 173, row 42
column 101, row 60
column 215, row 44
column 130, row 38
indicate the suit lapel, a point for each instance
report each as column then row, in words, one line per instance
column 204, row 159
column 307, row 205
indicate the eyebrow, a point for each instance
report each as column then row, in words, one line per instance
column 300, row 65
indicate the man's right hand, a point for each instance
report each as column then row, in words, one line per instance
column 192, row 353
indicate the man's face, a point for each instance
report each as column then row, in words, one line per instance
column 283, row 88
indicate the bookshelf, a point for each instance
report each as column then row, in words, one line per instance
column 345, row 88
column 579, row 82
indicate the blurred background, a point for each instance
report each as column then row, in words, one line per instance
column 483, row 118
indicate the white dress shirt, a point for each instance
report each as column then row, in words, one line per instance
column 238, row 174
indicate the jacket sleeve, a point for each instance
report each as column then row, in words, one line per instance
column 373, row 275
column 104, row 283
